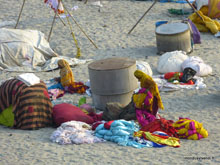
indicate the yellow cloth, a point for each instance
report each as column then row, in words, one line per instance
column 66, row 74
column 205, row 23
column 7, row 117
column 148, row 83
column 78, row 54
column 85, row 111
column 170, row 141
column 139, row 99
column 184, row 132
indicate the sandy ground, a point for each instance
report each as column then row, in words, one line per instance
column 109, row 29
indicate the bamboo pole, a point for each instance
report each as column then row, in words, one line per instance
column 61, row 20
column 51, row 29
column 20, row 14
column 155, row 1
column 80, row 27
column 74, row 38
column 194, row 9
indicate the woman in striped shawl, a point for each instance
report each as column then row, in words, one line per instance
column 31, row 106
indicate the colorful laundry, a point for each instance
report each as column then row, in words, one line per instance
column 144, row 117
column 176, row 78
column 147, row 143
column 55, row 93
column 161, row 139
column 162, row 125
column 147, row 101
column 190, row 129
column 76, row 87
column 148, row 83
column 143, row 99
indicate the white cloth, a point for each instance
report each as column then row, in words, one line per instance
column 23, row 48
column 28, row 78
column 51, row 64
column 28, row 51
column 200, row 3
column 197, row 64
column 171, row 62
column 144, row 67
column 74, row 132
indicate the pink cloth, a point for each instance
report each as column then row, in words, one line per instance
column 144, row 117
column 55, row 93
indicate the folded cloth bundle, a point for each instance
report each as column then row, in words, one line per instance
column 28, row 78
column 190, row 129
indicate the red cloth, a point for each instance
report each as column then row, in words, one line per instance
column 96, row 117
column 96, row 124
column 161, row 125
column 66, row 112
column 77, row 87
column 107, row 125
column 190, row 82
column 171, row 74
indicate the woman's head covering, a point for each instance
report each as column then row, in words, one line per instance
column 66, row 74
column 148, row 83
column 63, row 63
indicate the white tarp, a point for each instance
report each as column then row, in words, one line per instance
column 23, row 49
column 28, row 51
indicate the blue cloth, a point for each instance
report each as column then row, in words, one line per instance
column 121, row 132
column 183, row 1
column 160, row 23
column 56, row 86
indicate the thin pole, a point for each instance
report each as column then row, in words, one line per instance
column 61, row 20
column 20, row 14
column 80, row 27
column 53, row 20
column 142, row 16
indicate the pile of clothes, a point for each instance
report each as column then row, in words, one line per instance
column 143, row 126
column 25, row 104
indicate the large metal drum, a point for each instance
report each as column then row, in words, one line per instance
column 112, row 80
column 173, row 36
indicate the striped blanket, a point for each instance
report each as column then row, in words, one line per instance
column 32, row 107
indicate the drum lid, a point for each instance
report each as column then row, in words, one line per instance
column 172, row 28
column 112, row 63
